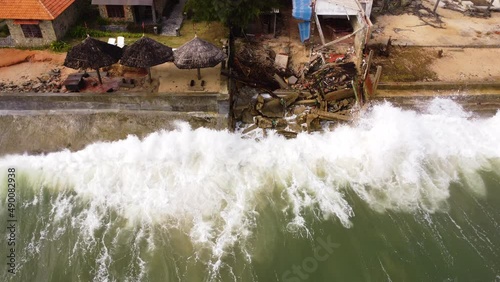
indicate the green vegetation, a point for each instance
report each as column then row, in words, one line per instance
column 80, row 32
column 232, row 13
column 59, row 46
column 210, row 31
column 4, row 30
column 90, row 23
column 102, row 21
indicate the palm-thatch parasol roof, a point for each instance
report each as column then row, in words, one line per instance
column 145, row 53
column 92, row 53
column 197, row 54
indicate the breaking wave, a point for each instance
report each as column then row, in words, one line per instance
column 211, row 184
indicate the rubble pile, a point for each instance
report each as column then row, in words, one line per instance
column 478, row 8
column 316, row 95
column 254, row 65
column 49, row 82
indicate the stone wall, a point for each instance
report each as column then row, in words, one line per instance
column 51, row 30
column 66, row 20
column 48, row 34
column 129, row 14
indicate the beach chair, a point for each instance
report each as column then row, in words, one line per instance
column 112, row 41
column 120, row 41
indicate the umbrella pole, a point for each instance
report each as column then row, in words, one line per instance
column 149, row 74
column 99, row 75
column 199, row 74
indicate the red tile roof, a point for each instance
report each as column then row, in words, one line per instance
column 33, row 9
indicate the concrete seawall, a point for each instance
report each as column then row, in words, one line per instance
column 482, row 98
column 40, row 123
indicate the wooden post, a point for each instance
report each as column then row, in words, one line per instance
column 153, row 12
column 274, row 25
column 99, row 76
column 368, row 64
column 321, row 36
column 377, row 79
column 322, row 58
column 435, row 7
column 313, row 4
column 280, row 81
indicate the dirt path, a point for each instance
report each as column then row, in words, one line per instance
column 457, row 29
column 18, row 66
column 472, row 64
column 475, row 63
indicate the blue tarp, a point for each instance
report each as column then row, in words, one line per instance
column 302, row 10
column 305, row 30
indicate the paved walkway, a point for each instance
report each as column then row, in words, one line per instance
column 174, row 21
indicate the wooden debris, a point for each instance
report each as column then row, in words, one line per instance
column 331, row 116
column 339, row 94
column 287, row 134
column 280, row 81
column 322, row 94
column 249, row 129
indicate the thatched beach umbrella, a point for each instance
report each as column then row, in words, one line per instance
column 145, row 53
column 94, row 54
column 197, row 54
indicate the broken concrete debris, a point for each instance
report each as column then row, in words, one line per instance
column 49, row 82
column 281, row 61
column 291, row 113
column 480, row 9
column 273, row 95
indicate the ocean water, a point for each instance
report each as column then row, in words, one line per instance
column 398, row 196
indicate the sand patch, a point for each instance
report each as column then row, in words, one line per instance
column 471, row 64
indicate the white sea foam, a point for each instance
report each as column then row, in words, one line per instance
column 210, row 183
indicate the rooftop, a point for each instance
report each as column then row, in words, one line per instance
column 33, row 9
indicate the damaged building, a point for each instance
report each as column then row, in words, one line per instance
column 305, row 85
column 336, row 21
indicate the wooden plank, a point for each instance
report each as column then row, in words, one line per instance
column 339, row 94
column 377, row 79
column 435, row 7
column 331, row 116
column 320, row 30
column 280, row 81
column 368, row 64
column 340, row 39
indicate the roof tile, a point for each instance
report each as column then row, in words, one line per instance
column 33, row 9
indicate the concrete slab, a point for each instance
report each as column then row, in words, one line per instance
column 174, row 80
column 281, row 61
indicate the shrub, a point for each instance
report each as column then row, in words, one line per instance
column 78, row 32
column 81, row 32
column 4, row 31
column 102, row 21
column 59, row 46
